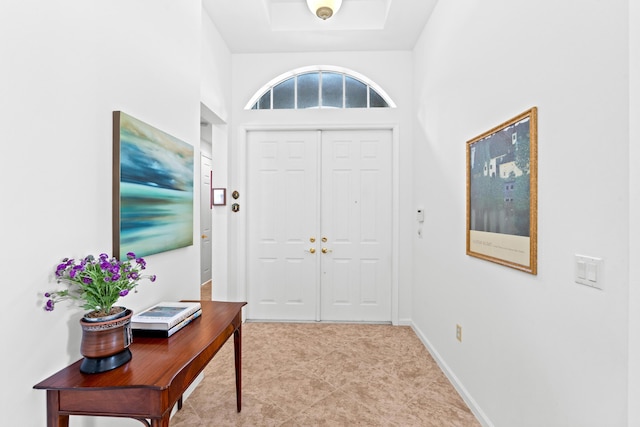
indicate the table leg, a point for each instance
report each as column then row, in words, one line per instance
column 237, row 349
column 162, row 422
column 54, row 419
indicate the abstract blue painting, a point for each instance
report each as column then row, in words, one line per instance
column 152, row 189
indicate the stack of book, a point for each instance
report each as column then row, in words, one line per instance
column 164, row 319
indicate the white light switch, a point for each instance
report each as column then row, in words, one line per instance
column 581, row 269
column 588, row 271
column 592, row 272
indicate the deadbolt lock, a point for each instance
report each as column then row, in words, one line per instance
column 324, row 239
column 312, row 250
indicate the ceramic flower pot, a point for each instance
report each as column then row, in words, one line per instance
column 105, row 342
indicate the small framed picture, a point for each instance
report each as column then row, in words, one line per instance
column 219, row 196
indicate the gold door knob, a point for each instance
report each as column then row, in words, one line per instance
column 312, row 250
column 324, row 239
column 324, row 250
column 204, row 236
column 312, row 239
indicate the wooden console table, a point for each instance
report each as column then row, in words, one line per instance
column 148, row 387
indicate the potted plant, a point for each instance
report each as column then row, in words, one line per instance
column 98, row 284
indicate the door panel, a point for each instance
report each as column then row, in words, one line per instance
column 282, row 217
column 356, row 220
column 206, row 258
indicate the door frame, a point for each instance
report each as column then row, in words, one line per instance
column 241, row 266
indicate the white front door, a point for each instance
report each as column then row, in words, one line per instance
column 282, row 218
column 356, row 223
column 319, row 225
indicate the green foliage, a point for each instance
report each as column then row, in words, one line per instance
column 97, row 283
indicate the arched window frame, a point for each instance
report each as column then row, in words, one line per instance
column 268, row 87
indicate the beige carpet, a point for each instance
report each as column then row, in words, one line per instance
column 318, row 374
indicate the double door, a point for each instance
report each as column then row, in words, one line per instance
column 319, row 225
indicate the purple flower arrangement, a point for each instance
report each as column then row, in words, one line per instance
column 97, row 282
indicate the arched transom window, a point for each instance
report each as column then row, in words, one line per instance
column 319, row 87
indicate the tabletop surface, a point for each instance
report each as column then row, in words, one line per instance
column 156, row 361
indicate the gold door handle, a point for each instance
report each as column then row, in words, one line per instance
column 312, row 250
column 312, row 239
column 204, row 236
column 325, row 250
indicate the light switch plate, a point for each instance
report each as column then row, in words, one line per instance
column 589, row 271
column 581, row 269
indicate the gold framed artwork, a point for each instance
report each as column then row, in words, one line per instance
column 502, row 193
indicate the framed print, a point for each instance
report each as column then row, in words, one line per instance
column 502, row 193
column 152, row 189
column 219, row 196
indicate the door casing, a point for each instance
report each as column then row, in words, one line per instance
column 241, row 250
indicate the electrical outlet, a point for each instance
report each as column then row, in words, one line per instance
column 459, row 333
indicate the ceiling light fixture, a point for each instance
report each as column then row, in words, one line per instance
column 324, row 9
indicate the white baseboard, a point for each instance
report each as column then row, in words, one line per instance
column 462, row 391
column 405, row 322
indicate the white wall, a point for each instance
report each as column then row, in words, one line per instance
column 390, row 70
column 216, row 71
column 537, row 350
column 634, row 200
column 66, row 66
column 216, row 96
